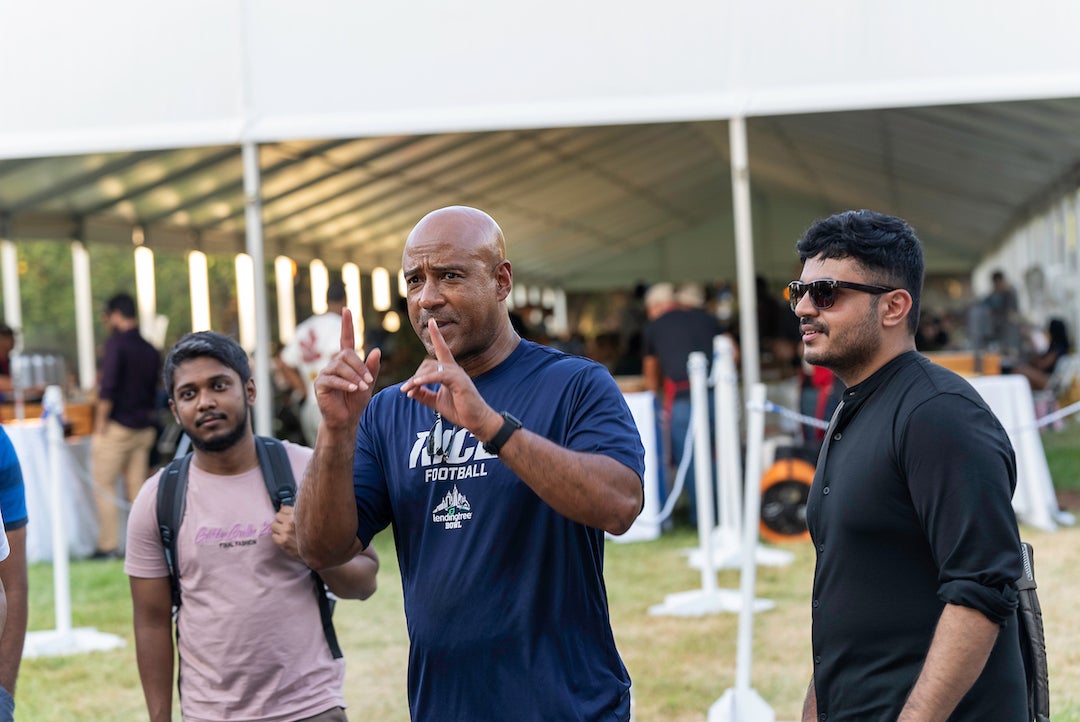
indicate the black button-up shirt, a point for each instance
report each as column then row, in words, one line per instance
column 129, row 378
column 910, row 509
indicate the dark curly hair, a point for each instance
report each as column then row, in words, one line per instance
column 202, row 344
column 885, row 246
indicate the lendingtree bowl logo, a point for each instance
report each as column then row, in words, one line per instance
column 453, row 510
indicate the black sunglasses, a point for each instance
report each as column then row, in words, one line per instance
column 823, row 292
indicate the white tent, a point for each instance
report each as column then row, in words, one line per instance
column 597, row 134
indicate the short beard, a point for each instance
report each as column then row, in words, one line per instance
column 222, row 443
column 859, row 345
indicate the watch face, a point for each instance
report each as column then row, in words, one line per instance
column 510, row 425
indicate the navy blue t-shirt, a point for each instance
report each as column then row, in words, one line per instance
column 504, row 597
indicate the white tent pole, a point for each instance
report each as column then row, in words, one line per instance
column 9, row 273
column 742, row 703
column 754, row 437
column 84, row 318
column 253, row 215
column 54, row 430
column 744, row 254
column 9, row 268
column 286, row 298
column 145, row 285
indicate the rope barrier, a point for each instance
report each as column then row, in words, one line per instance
column 770, row 406
column 688, row 449
column 1057, row 415
column 680, row 481
column 792, row 415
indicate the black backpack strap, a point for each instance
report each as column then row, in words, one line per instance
column 171, row 494
column 280, row 483
column 276, row 471
column 1032, row 639
column 326, row 615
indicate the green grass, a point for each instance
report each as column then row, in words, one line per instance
column 680, row 666
column 1063, row 455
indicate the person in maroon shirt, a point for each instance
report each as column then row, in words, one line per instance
column 124, row 417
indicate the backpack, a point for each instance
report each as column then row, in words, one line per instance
column 277, row 473
column 1032, row 640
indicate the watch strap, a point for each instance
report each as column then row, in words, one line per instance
column 510, row 425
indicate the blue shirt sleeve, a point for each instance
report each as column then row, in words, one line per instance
column 12, row 489
column 600, row 421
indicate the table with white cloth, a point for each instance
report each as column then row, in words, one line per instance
column 1009, row 397
column 29, row 437
column 647, row 526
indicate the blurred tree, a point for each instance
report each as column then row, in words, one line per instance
column 48, row 300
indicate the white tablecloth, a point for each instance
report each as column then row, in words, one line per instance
column 79, row 513
column 1009, row 397
column 646, row 526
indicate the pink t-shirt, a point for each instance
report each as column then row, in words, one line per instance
column 251, row 642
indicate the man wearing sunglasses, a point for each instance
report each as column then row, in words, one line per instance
column 910, row 509
column 500, row 464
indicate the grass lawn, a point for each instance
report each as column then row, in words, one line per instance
column 1063, row 455
column 680, row 666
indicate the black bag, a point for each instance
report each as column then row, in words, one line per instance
column 277, row 473
column 1032, row 639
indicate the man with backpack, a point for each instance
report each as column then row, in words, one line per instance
column 253, row 631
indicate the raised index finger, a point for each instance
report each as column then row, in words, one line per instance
column 348, row 334
column 442, row 351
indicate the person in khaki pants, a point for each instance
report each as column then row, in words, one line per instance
column 124, row 430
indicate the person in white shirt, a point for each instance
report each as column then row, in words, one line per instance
column 315, row 341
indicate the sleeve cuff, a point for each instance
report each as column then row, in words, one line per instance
column 997, row 604
column 15, row 524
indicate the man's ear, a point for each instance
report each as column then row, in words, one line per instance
column 176, row 416
column 897, row 306
column 504, row 279
column 249, row 390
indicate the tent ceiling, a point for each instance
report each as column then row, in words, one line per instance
column 586, row 208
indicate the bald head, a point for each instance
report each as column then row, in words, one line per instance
column 469, row 229
column 457, row 275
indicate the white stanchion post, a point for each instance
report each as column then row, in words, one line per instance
column 709, row 599
column 727, row 538
column 742, row 703
column 53, row 406
column 64, row 639
column 728, row 453
column 696, row 365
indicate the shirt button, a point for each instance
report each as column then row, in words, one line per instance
column 817, row 659
column 823, row 717
column 825, row 491
column 816, row 604
column 837, row 436
column 821, row 547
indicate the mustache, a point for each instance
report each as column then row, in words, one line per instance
column 439, row 320
column 816, row 328
column 206, row 418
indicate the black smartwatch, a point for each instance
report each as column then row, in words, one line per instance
column 510, row 425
